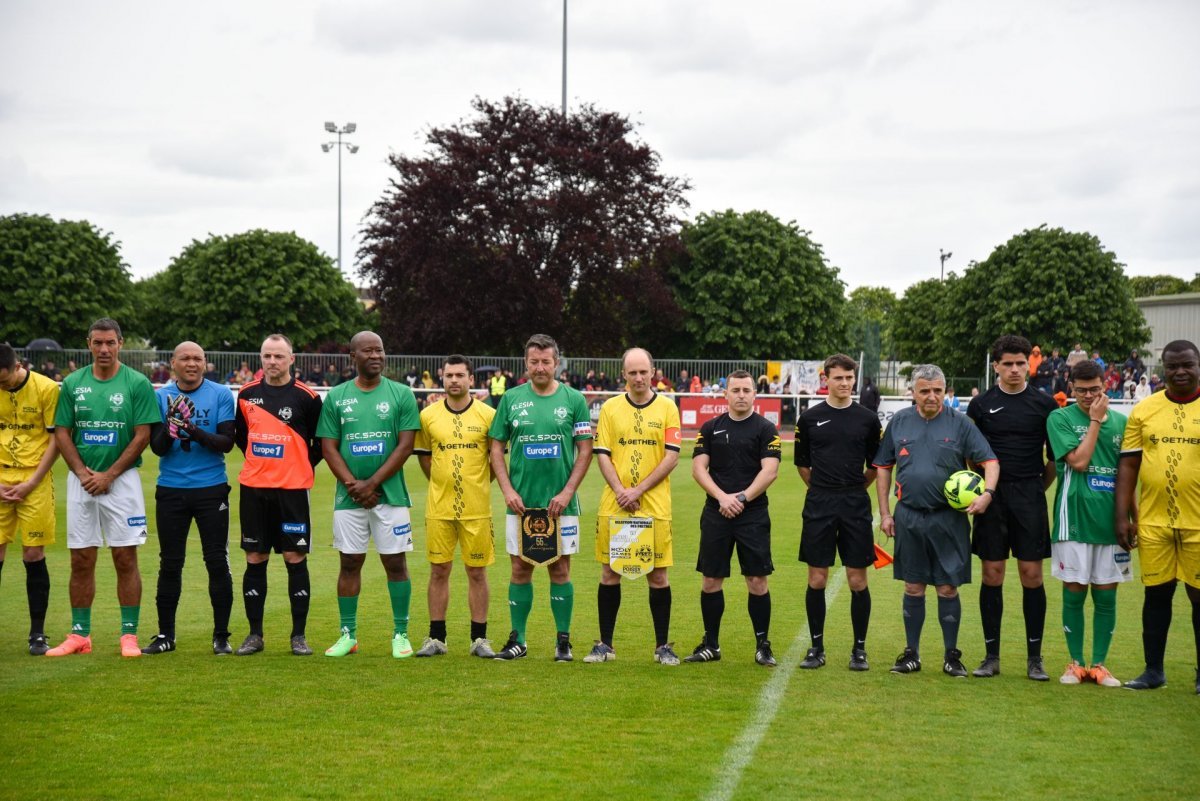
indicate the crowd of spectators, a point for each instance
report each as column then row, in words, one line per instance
column 1128, row 379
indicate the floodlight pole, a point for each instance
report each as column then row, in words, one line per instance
column 348, row 128
column 944, row 256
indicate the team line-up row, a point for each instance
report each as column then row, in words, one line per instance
column 537, row 445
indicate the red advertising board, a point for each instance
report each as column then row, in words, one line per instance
column 695, row 412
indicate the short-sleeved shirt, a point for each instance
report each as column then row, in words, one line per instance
column 27, row 420
column 925, row 453
column 367, row 426
column 1167, row 435
column 208, row 405
column 102, row 414
column 541, row 432
column 1084, row 502
column 636, row 438
column 735, row 450
column 837, row 444
column 276, row 428
column 1015, row 426
column 460, row 473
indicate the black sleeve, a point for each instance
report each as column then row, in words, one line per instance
column 770, row 445
column 874, row 437
column 160, row 439
column 802, row 457
column 221, row 442
column 314, row 443
column 702, row 439
column 240, row 435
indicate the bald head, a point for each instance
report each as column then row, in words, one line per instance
column 362, row 338
column 188, row 364
column 366, row 348
column 638, row 368
column 638, row 356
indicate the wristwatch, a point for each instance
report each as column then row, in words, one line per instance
column 990, row 491
column 741, row 496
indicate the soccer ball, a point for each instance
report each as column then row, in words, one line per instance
column 962, row 488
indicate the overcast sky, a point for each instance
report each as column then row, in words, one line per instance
column 887, row 129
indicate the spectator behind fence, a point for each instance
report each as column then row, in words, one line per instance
column 869, row 397
column 1077, row 355
column 1135, row 365
column 1035, row 360
column 243, row 375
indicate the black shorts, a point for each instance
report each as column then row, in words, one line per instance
column 275, row 520
column 838, row 522
column 1015, row 521
column 750, row 532
column 932, row 546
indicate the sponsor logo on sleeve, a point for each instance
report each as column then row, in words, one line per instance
column 106, row 438
column 545, row 450
column 265, row 451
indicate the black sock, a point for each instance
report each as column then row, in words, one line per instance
column 608, row 601
column 37, row 588
column 914, row 621
column 254, row 594
column 660, row 613
column 298, row 594
column 712, row 607
column 759, row 607
column 166, row 600
column 1, row 567
column 991, row 611
column 860, row 615
column 437, row 630
column 814, row 605
column 1033, row 602
column 478, row 631
column 949, row 615
column 1196, row 626
column 1156, row 622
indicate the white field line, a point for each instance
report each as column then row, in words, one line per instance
column 742, row 750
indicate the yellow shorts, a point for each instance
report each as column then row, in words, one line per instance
column 664, row 554
column 478, row 542
column 33, row 517
column 1169, row 553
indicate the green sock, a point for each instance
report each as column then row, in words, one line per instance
column 129, row 619
column 1072, row 617
column 562, row 604
column 1104, row 623
column 81, row 620
column 348, row 612
column 401, row 593
column 520, row 604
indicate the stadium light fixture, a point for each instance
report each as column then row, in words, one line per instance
column 348, row 128
column 944, row 256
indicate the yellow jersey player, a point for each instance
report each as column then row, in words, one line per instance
column 637, row 447
column 453, row 448
column 27, row 452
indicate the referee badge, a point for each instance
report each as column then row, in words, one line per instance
column 540, row 540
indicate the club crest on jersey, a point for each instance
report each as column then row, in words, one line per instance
column 285, row 413
column 117, row 398
column 561, row 412
column 383, row 407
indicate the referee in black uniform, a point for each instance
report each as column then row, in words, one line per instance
column 835, row 444
column 1012, row 416
column 736, row 458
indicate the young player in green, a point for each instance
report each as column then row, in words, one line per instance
column 548, row 430
column 367, row 428
column 1086, row 440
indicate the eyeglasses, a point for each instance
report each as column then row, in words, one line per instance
column 1086, row 391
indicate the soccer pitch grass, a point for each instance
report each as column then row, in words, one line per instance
column 191, row 725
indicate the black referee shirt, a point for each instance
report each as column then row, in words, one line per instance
column 735, row 450
column 837, row 444
column 1015, row 426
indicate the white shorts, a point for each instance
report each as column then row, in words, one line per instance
column 118, row 516
column 1085, row 563
column 568, row 528
column 389, row 526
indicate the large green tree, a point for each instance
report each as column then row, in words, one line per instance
column 915, row 320
column 229, row 292
column 869, row 313
column 1052, row 286
column 521, row 220
column 752, row 286
column 59, row 276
